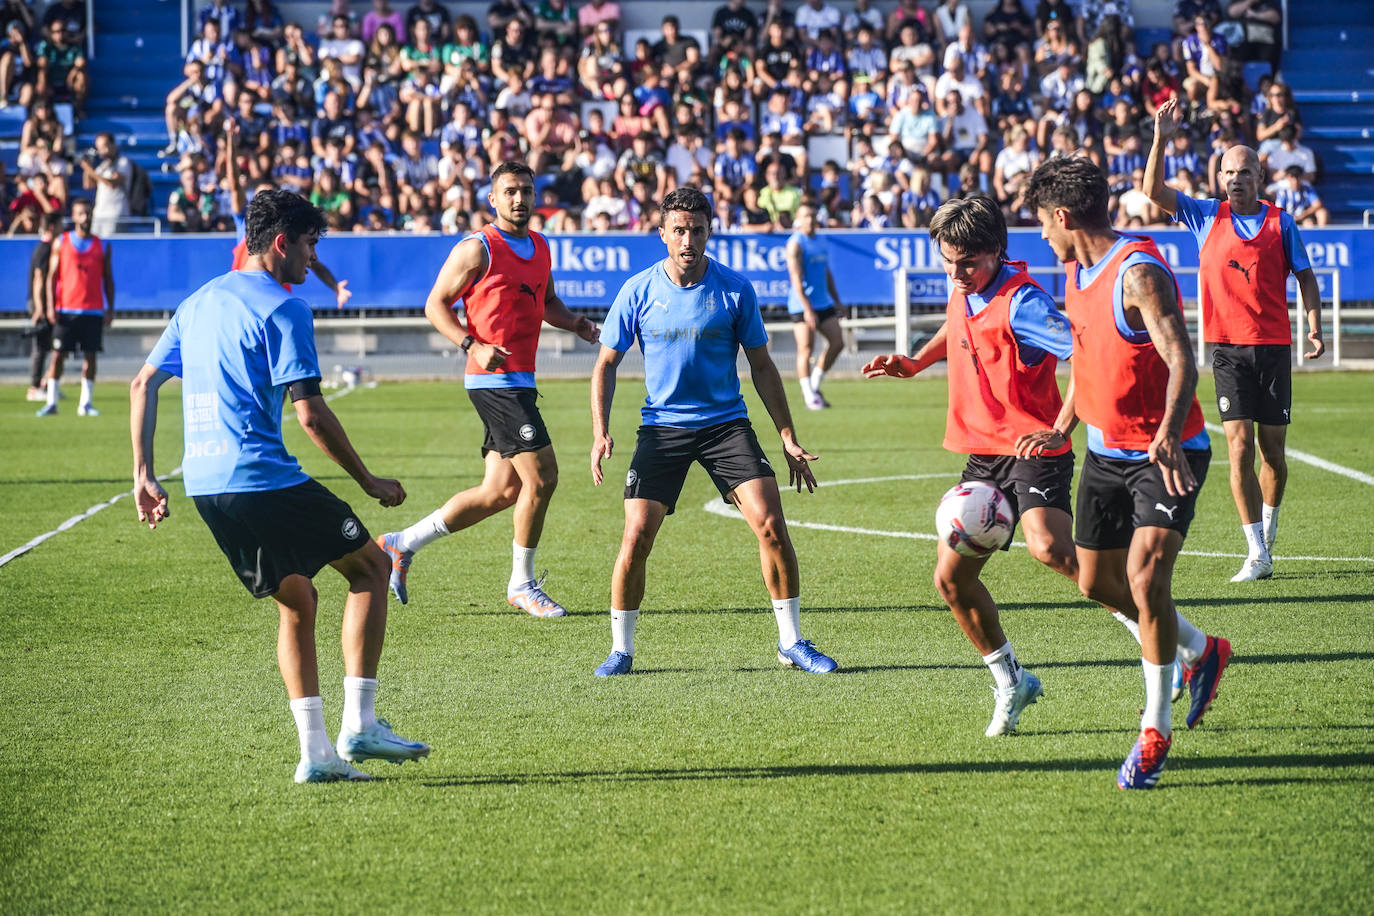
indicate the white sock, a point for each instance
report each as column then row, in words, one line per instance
column 52, row 392
column 429, row 528
column 807, row 390
column 623, row 631
column 1006, row 670
column 359, row 713
column 817, row 376
column 1254, row 540
column 87, row 386
column 315, row 744
column 521, row 567
column 788, row 613
column 1159, row 681
column 1129, row 624
column 1192, row 642
column 1269, row 516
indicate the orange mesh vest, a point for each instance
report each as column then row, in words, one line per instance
column 80, row 276
column 993, row 396
column 506, row 306
column 1119, row 386
column 1243, row 285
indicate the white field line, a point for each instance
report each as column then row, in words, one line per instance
column 81, row 517
column 717, row 507
column 1314, row 460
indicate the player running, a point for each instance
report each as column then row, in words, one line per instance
column 1132, row 384
column 80, row 305
column 502, row 274
column 1007, row 337
column 239, row 344
column 1246, row 250
column 690, row 316
column 813, row 304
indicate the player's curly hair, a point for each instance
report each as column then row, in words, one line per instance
column 276, row 212
column 687, row 199
column 974, row 225
column 1073, row 183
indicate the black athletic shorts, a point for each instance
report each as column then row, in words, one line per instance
column 1029, row 483
column 1117, row 496
column 729, row 452
column 271, row 534
column 510, row 420
column 1254, row 382
column 822, row 316
column 82, row 331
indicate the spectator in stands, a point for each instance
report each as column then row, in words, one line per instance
column 108, row 171
column 1055, row 47
column 263, row 21
column 671, row 47
column 33, row 201
column 784, row 121
column 291, row 169
column 42, row 159
column 609, row 203
column 779, row 198
column 212, row 51
column 1289, row 154
column 1106, row 53
column 915, row 126
column 1059, row 11
column 61, row 70
column 974, row 54
column 434, row 13
column 642, row 163
column 596, row 12
column 188, row 208
column 1179, row 157
column 964, row 132
column 19, row 11
column 1122, row 167
column 863, row 14
column 501, row 12
column 814, row 17
column 223, row 13
column 556, row 21
column 41, row 124
column 381, row 14
column 1134, row 209
column 1011, row 106
column 550, row 130
column 324, row 24
column 1157, row 86
column 375, row 177
column 417, row 173
column 421, row 52
column 1281, row 113
column 193, row 98
column 734, row 21
column 1009, row 25
column 1186, row 13
column 332, row 197
column 1092, row 13
column 950, row 17
column 867, row 56
column 343, row 46
column 688, row 154
column 1204, row 54
column 1261, row 23
column 1293, row 193
column 775, row 56
column 295, row 50
column 910, row 12
column 332, row 121
column 866, row 106
column 513, row 56
column 825, row 109
column 734, row 168
column 628, row 124
column 421, row 98
column 920, row 201
column 957, row 79
column 1014, row 164
column 18, row 67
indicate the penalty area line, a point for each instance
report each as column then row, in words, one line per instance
column 81, row 517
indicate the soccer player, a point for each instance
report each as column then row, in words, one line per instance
column 239, row 344
column 80, row 304
column 1001, row 387
column 41, row 332
column 1132, row 384
column 813, row 303
column 1246, row 250
column 690, row 316
column 503, row 276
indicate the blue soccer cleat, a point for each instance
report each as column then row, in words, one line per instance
column 1142, row 768
column 802, row 654
column 334, row 770
column 615, row 663
column 1010, row 702
column 1180, row 682
column 379, row 743
column 1204, row 677
column 400, row 565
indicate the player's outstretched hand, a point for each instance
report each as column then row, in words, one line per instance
column 587, row 330
column 893, row 364
column 489, row 356
column 601, row 448
column 1318, row 345
column 152, row 502
column 1167, row 452
column 1167, row 119
column 1033, row 445
column 386, row 491
column 799, row 466
column 342, row 294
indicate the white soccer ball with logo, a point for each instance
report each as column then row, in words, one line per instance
column 974, row 519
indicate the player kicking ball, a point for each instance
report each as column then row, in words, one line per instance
column 1003, row 337
column 240, row 344
column 690, row 316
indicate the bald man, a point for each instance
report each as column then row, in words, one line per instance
column 1246, row 250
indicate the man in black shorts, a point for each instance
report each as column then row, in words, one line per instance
column 813, row 304
column 1003, row 337
column 41, row 332
column 276, row 525
column 80, row 303
column 691, row 315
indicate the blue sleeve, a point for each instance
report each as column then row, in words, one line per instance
column 749, row 322
column 618, row 330
column 1197, row 215
column 1292, row 244
column 291, row 343
column 240, row 227
column 1036, row 322
column 166, row 353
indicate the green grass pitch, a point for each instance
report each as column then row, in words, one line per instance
column 146, row 748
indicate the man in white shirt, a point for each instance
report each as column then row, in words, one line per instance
column 109, row 172
column 348, row 50
column 813, row 16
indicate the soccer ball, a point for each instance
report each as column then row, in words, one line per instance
column 974, row 519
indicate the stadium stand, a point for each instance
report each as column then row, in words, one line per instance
column 593, row 92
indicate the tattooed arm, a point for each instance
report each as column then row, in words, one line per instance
column 1150, row 300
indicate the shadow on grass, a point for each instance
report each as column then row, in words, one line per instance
column 1238, row 659
column 1080, row 765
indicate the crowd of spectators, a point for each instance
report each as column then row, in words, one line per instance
column 391, row 118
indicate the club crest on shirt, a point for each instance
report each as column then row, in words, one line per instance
column 710, row 302
column 351, row 529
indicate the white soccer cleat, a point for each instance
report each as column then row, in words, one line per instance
column 1009, row 703
column 1253, row 569
column 332, row 770
column 379, row 743
column 87, row 410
